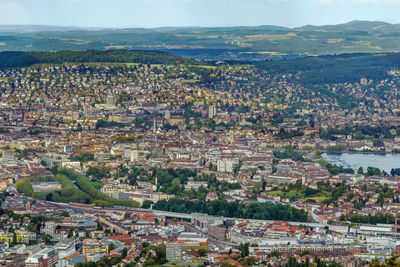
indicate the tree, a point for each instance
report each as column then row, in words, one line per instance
column 309, row 191
column 394, row 172
column 202, row 252
column 47, row 238
column 393, row 261
column 124, row 253
column 244, row 249
column 86, row 264
column 147, row 204
column 14, row 241
column 371, row 171
column 378, row 143
column 307, row 263
column 64, row 213
column 358, row 135
column 24, row 186
column 111, row 247
column 70, row 232
column 304, row 252
column 251, row 210
column 360, row 170
column 257, row 187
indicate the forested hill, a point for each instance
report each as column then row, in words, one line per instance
column 225, row 43
column 23, row 59
column 336, row 68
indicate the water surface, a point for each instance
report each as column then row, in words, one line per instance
column 355, row 160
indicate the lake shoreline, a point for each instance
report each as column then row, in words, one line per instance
column 360, row 152
column 355, row 160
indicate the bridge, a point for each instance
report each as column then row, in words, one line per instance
column 187, row 216
column 170, row 214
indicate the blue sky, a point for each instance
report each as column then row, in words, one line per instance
column 156, row 13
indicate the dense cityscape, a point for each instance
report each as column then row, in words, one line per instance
column 194, row 165
column 194, row 133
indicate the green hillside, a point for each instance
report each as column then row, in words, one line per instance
column 213, row 43
column 23, row 59
column 336, row 68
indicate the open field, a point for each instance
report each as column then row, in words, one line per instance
column 204, row 67
column 137, row 64
column 318, row 197
column 190, row 81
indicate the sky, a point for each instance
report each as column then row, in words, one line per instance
column 162, row 13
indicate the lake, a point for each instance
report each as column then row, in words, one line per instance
column 355, row 160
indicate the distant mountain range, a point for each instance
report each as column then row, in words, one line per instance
column 356, row 25
column 211, row 43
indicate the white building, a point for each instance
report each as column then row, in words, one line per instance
column 225, row 165
column 50, row 228
column 212, row 111
column 174, row 251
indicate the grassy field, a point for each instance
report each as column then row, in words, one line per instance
column 318, row 197
column 291, row 193
column 136, row 64
column 190, row 81
column 204, row 67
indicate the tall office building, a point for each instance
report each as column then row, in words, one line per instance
column 225, row 165
column 174, row 251
column 50, row 228
column 212, row 111
column 110, row 101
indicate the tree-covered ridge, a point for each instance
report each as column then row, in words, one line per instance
column 23, row 59
column 257, row 43
column 336, row 68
